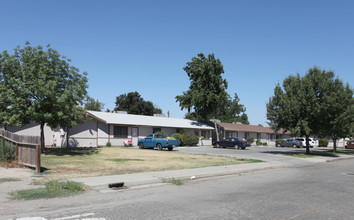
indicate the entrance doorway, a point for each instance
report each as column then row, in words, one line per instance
column 135, row 138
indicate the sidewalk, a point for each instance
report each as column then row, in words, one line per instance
column 151, row 178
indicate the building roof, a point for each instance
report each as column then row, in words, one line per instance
column 248, row 128
column 143, row 120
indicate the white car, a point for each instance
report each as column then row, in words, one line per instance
column 303, row 142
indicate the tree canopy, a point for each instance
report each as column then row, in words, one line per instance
column 207, row 97
column 133, row 103
column 40, row 85
column 93, row 105
column 316, row 104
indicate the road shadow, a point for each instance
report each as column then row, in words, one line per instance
column 71, row 151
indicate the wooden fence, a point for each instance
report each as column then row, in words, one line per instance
column 28, row 149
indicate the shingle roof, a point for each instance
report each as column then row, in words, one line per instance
column 247, row 128
column 143, row 120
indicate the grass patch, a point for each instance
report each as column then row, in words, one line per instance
column 3, row 180
column 318, row 153
column 124, row 159
column 86, row 162
column 52, row 189
column 176, row 182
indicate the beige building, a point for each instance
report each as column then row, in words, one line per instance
column 264, row 134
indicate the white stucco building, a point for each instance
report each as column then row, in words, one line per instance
column 101, row 127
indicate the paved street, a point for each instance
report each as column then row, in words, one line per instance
column 318, row 191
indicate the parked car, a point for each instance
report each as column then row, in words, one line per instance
column 157, row 141
column 232, row 142
column 292, row 142
column 350, row 145
column 303, row 142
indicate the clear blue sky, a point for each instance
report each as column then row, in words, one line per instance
column 143, row 46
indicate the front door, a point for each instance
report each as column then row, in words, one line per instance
column 135, row 136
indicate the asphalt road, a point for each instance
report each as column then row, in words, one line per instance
column 318, row 191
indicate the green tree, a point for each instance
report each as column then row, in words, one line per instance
column 292, row 109
column 316, row 104
column 133, row 103
column 232, row 111
column 93, row 105
column 40, row 85
column 207, row 87
column 207, row 97
column 336, row 106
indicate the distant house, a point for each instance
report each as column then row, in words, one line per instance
column 264, row 134
column 116, row 128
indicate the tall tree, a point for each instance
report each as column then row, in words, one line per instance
column 133, row 103
column 232, row 111
column 207, row 87
column 292, row 109
column 93, row 105
column 316, row 104
column 207, row 97
column 40, row 85
column 336, row 106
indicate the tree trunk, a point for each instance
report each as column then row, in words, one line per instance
column 334, row 144
column 307, row 145
column 216, row 130
column 216, row 126
column 42, row 137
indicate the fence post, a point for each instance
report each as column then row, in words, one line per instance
column 16, row 154
column 38, row 162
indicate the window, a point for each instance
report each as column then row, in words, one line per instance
column 258, row 136
column 120, row 132
column 206, row 134
column 155, row 130
column 246, row 135
column 196, row 133
column 272, row 137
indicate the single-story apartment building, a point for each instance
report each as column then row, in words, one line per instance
column 264, row 134
column 116, row 128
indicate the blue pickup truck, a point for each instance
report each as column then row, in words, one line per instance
column 158, row 141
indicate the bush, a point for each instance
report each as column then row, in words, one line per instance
column 323, row 142
column 108, row 144
column 258, row 142
column 279, row 140
column 250, row 139
column 7, row 150
column 265, row 144
column 186, row 139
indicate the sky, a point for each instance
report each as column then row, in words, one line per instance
column 128, row 46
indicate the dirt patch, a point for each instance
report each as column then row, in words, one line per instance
column 24, row 179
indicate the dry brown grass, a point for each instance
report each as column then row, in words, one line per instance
column 70, row 163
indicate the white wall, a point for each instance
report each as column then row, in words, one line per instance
column 33, row 129
column 83, row 135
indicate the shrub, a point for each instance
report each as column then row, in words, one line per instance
column 250, row 139
column 323, row 142
column 265, row 144
column 7, row 150
column 108, row 144
column 186, row 139
column 258, row 142
column 279, row 140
